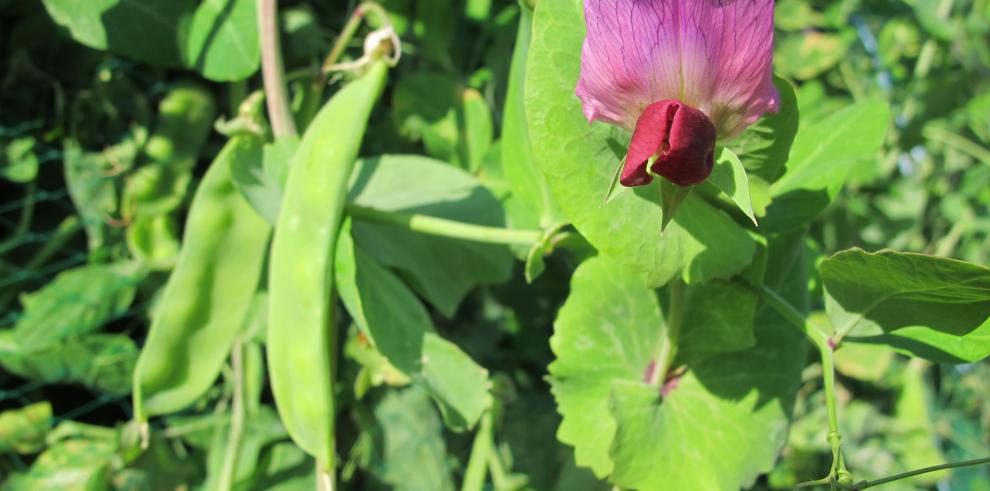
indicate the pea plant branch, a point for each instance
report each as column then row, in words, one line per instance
column 839, row 477
column 273, row 71
column 447, row 228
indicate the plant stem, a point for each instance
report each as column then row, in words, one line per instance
column 904, row 475
column 834, row 436
column 825, row 349
column 791, row 314
column 447, row 228
column 338, row 48
column 272, row 71
column 236, row 418
column 477, row 467
column 24, row 222
column 958, row 141
column 670, row 334
column 324, row 479
column 65, row 231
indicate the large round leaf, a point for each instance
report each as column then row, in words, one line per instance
column 719, row 429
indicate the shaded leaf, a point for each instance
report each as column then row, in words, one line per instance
column 23, row 430
column 923, row 303
column 442, row 270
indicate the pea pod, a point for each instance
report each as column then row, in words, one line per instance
column 184, row 122
column 301, row 276
column 208, row 296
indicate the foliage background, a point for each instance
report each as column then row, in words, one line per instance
column 78, row 102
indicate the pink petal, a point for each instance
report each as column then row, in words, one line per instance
column 714, row 55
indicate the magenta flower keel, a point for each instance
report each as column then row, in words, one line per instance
column 679, row 74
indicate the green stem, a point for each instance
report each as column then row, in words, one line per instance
column 791, row 314
column 670, row 334
column 273, row 72
column 447, row 228
column 324, row 479
column 958, row 141
column 63, row 234
column 834, row 436
column 24, row 222
column 838, row 472
column 477, row 467
column 338, row 48
column 236, row 93
column 194, row 427
column 904, row 475
column 236, row 432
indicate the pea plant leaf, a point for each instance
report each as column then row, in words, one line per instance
column 729, row 176
column 23, row 430
column 77, row 302
column 928, row 306
column 399, row 325
column 453, row 121
column 578, row 161
column 222, row 40
column 729, row 412
column 218, row 38
column 820, row 159
column 764, row 147
column 408, row 450
column 440, row 269
column 518, row 160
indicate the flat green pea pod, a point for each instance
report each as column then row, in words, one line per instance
column 185, row 119
column 209, row 294
column 300, row 277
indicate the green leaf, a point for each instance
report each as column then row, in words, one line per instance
column 222, row 41
column 20, row 163
column 140, row 29
column 821, row 158
column 927, row 13
column 260, row 430
column 729, row 412
column 807, row 55
column 535, row 264
column 672, row 197
column 434, row 27
column 218, row 38
column 518, row 161
column 870, row 293
column 456, row 382
column 914, row 436
column 92, row 191
column 764, row 147
column 284, row 467
column 729, row 176
column 75, row 464
column 99, row 361
column 924, row 304
column 76, row 302
column 578, row 160
column 936, row 346
column 398, row 324
column 718, row 317
column 442, row 270
column 453, row 121
column 23, row 430
column 408, row 453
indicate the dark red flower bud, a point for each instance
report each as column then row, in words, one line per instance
column 681, row 138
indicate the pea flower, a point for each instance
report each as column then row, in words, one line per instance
column 679, row 74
